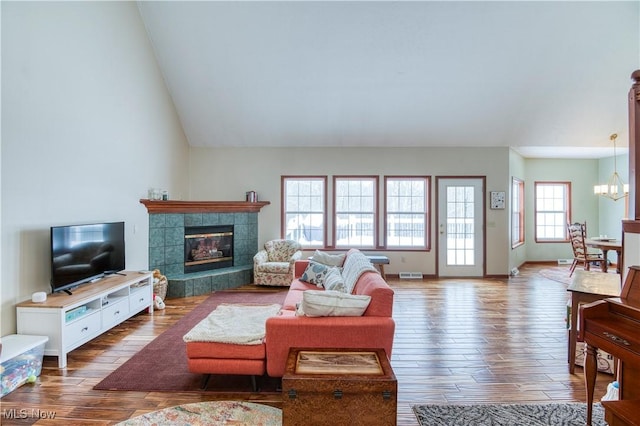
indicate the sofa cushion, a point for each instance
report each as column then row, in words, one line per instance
column 315, row 273
column 328, row 303
column 294, row 295
column 334, row 281
column 273, row 267
column 329, row 259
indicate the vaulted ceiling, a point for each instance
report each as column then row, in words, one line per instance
column 549, row 79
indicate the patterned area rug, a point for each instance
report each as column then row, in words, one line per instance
column 211, row 413
column 567, row 414
column 559, row 274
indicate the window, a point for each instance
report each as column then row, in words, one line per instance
column 461, row 229
column 406, row 212
column 517, row 212
column 355, row 211
column 552, row 210
column 304, row 210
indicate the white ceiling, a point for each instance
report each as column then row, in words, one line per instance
column 549, row 79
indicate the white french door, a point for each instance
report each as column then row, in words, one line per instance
column 460, row 227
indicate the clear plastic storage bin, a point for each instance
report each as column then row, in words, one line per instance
column 20, row 360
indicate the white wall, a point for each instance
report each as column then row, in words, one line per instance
column 227, row 173
column 244, row 169
column 88, row 127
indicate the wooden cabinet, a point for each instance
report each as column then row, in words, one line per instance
column 71, row 320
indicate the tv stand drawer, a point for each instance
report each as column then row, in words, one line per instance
column 83, row 329
column 115, row 312
column 139, row 299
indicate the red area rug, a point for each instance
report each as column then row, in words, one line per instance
column 162, row 364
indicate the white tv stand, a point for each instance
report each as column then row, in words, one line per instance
column 71, row 320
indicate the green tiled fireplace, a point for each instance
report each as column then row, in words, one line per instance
column 166, row 251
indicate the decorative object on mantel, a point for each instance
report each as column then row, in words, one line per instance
column 251, row 196
column 615, row 183
column 157, row 194
column 174, row 206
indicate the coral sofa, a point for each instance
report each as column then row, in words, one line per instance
column 374, row 329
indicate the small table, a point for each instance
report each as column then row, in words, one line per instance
column 325, row 386
column 587, row 287
column 607, row 244
column 379, row 262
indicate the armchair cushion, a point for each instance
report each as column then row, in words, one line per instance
column 273, row 267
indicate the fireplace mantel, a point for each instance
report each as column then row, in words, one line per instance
column 174, row 206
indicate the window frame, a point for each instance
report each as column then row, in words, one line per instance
column 375, row 183
column 517, row 212
column 284, row 211
column 426, row 213
column 566, row 211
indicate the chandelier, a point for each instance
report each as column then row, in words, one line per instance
column 615, row 188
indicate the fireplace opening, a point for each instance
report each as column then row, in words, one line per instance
column 208, row 247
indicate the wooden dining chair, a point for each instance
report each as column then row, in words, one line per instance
column 581, row 253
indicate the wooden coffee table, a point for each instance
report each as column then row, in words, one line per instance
column 338, row 387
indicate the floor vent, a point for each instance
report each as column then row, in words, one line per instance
column 564, row 261
column 410, row 275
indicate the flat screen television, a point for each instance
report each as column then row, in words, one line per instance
column 84, row 253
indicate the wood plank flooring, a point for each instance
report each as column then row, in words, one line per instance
column 457, row 341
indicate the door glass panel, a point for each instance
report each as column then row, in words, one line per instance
column 460, row 225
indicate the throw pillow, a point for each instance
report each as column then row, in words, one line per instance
column 327, row 303
column 315, row 273
column 334, row 281
column 329, row 259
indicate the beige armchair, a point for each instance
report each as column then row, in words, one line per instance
column 274, row 265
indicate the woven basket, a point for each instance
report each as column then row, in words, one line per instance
column 160, row 288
